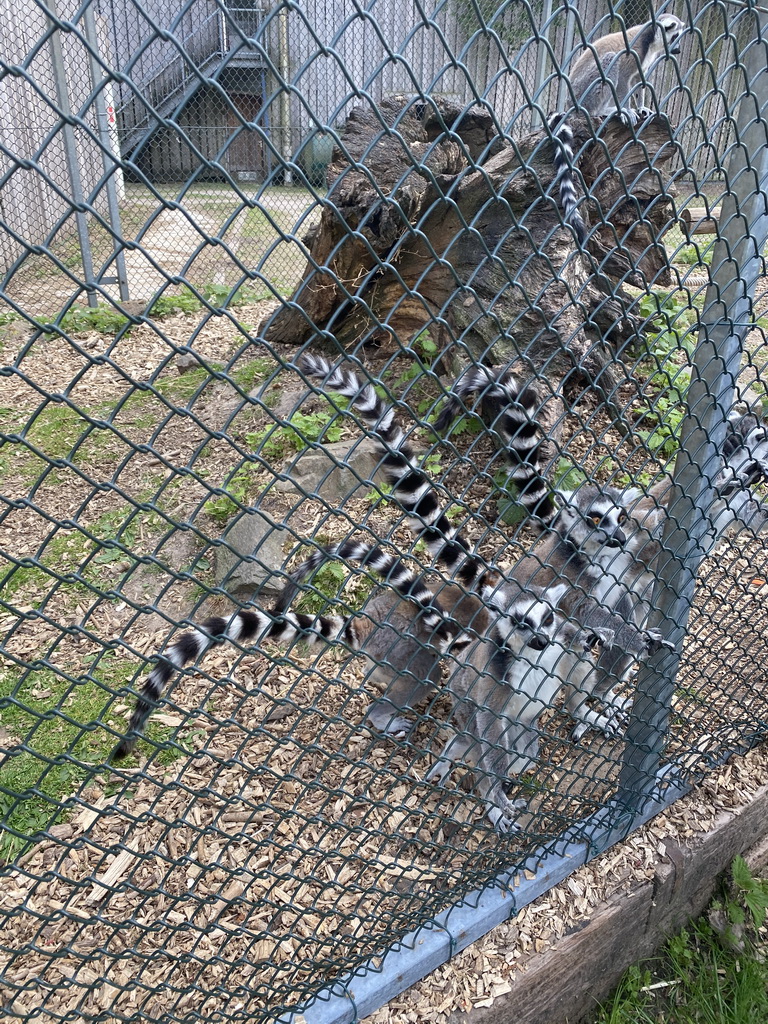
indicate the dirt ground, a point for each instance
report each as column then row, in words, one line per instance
column 275, row 838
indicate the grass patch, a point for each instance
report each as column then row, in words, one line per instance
column 713, row 972
column 81, row 437
column 56, row 724
column 107, row 319
column 57, row 430
column 102, row 318
column 60, row 433
column 72, row 565
column 57, row 741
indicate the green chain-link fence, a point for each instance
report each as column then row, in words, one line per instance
column 196, row 196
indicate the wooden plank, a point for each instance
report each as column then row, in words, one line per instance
column 696, row 220
column 564, row 984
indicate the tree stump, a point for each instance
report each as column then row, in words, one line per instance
column 434, row 221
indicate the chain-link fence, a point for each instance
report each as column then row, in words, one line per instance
column 534, row 613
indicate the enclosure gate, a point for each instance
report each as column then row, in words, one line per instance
column 195, row 198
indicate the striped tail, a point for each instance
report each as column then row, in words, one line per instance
column 564, row 180
column 398, row 575
column 510, row 412
column 244, row 627
column 411, row 487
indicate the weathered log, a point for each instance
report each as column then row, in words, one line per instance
column 696, row 220
column 434, row 221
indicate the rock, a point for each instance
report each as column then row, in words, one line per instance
column 282, row 401
column 334, row 473
column 256, row 549
column 252, row 560
column 185, row 362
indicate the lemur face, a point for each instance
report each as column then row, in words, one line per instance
column 528, row 622
column 672, row 28
column 530, row 619
column 593, row 519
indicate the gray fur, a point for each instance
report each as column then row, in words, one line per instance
column 607, row 80
column 608, row 76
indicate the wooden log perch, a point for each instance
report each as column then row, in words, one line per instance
column 433, row 221
column 697, row 221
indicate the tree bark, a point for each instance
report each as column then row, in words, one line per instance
column 434, row 221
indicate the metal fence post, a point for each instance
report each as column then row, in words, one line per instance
column 70, row 150
column 110, row 158
column 737, row 262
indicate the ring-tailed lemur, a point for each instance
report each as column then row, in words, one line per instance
column 631, row 575
column 606, row 80
column 522, row 650
column 581, row 546
column 255, row 625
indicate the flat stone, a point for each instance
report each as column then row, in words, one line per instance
column 185, row 362
column 335, row 473
column 251, row 561
column 256, row 549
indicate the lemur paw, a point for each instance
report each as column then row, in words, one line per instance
column 745, row 477
column 599, row 636
column 647, row 643
column 503, row 815
column 628, row 116
column 616, row 722
column 579, row 732
column 613, row 723
column 397, row 728
column 439, row 772
column 655, row 641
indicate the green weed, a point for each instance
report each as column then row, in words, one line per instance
column 471, row 425
column 239, row 487
column 425, row 346
column 568, row 476
column 695, row 254
column 670, row 324
column 327, row 583
column 102, row 318
column 168, row 305
column 663, row 416
column 713, row 972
